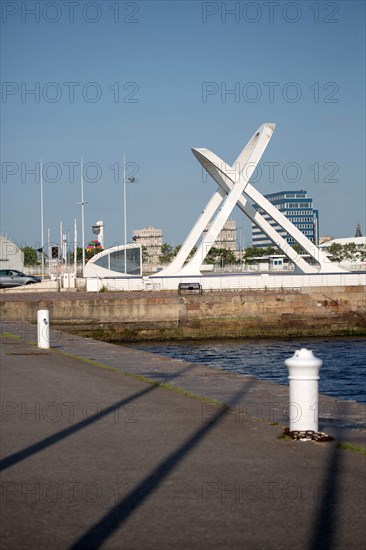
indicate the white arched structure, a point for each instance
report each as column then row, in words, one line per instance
column 115, row 262
column 233, row 185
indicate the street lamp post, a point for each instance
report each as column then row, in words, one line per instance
column 82, row 212
column 131, row 180
column 124, row 199
column 241, row 242
column 49, row 251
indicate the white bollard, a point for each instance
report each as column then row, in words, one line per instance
column 43, row 328
column 303, row 378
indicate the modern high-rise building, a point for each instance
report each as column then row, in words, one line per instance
column 298, row 208
column 227, row 236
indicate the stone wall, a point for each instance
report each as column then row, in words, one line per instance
column 165, row 315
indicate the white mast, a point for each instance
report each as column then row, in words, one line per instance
column 125, row 207
column 42, row 228
column 49, row 251
column 82, row 213
column 75, row 247
column 60, row 253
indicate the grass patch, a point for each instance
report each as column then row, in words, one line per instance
column 350, row 447
column 9, row 335
column 25, row 353
column 138, row 377
column 284, row 436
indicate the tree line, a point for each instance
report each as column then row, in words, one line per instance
column 217, row 256
column 349, row 252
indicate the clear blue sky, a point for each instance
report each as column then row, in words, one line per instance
column 151, row 79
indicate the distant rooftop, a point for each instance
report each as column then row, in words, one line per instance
column 344, row 240
column 358, row 231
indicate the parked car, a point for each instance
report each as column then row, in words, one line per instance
column 13, row 277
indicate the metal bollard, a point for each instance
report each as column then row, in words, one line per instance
column 43, row 328
column 303, row 378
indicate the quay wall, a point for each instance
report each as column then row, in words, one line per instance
column 137, row 316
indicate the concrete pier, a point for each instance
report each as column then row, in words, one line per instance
column 95, row 457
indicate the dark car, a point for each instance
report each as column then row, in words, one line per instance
column 13, row 277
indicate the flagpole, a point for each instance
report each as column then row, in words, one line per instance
column 42, row 221
column 82, row 214
column 125, row 206
column 49, row 251
column 61, row 243
column 75, row 248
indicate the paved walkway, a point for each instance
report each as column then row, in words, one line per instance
column 92, row 458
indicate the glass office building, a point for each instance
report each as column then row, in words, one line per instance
column 298, row 208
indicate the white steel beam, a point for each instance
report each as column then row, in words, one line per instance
column 209, row 159
column 252, row 153
column 227, row 184
column 233, row 181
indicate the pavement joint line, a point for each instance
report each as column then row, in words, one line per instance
column 140, row 378
column 10, row 335
column 350, row 447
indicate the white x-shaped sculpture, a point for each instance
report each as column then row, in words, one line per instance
column 233, row 181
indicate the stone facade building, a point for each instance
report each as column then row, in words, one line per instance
column 227, row 236
column 152, row 239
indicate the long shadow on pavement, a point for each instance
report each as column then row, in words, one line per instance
column 100, row 532
column 55, row 438
column 325, row 522
column 52, row 439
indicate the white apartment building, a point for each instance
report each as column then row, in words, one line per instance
column 11, row 256
column 227, row 236
column 152, row 239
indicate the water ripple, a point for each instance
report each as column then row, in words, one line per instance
column 342, row 374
